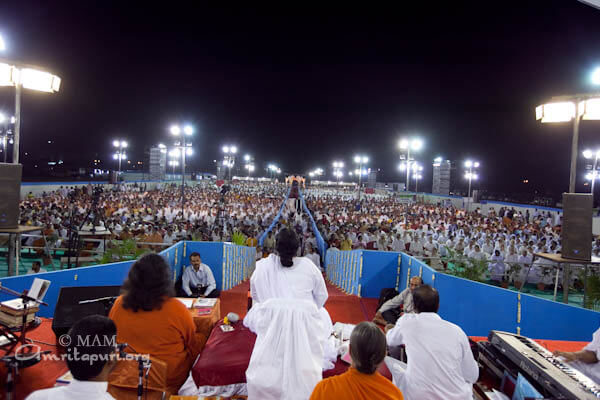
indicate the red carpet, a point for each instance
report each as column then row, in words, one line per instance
column 342, row 307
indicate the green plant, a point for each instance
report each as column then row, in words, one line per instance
column 239, row 238
column 124, row 251
column 514, row 270
column 467, row 268
column 592, row 288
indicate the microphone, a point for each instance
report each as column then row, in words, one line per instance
column 121, row 348
column 232, row 318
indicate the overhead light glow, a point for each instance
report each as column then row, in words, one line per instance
column 588, row 154
column 188, row 130
column 468, row 163
column 6, row 75
column 2, row 44
column 403, row 144
column 116, row 143
column 555, row 112
column 590, row 109
column 175, row 130
column 596, row 76
column 189, row 151
column 38, row 80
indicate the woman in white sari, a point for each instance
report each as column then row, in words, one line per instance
column 293, row 344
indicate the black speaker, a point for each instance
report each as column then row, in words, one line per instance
column 68, row 310
column 577, row 226
column 10, row 194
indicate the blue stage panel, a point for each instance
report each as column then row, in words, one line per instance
column 379, row 270
column 99, row 275
column 477, row 308
column 545, row 319
column 211, row 254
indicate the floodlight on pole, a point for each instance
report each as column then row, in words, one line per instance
column 2, row 44
column 593, row 175
column 183, row 149
column 571, row 108
column 360, row 160
column 407, row 145
column 596, row 76
column 471, row 176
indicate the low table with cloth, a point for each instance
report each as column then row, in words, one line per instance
column 220, row 369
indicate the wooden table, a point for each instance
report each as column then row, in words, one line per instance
column 205, row 322
column 566, row 263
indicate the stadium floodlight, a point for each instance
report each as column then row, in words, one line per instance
column 2, row 44
column 596, row 76
column 593, row 175
column 175, row 130
column 247, row 157
column 468, row 163
column 572, row 108
column 233, row 149
column 188, row 130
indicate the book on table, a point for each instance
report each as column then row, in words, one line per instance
column 13, row 321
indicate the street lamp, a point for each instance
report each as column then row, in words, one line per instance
column 360, row 160
column 471, row 176
column 406, row 145
column 185, row 150
column 28, row 77
column 592, row 176
column 4, row 120
column 573, row 107
column 120, row 145
column 417, row 175
column 229, row 160
column 337, row 170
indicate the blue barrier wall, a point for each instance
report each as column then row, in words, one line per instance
column 237, row 262
column 98, row 275
column 476, row 307
column 344, row 269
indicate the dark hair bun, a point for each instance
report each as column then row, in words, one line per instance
column 287, row 246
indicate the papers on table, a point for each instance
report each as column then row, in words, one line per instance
column 197, row 303
column 342, row 331
column 204, row 302
column 186, row 302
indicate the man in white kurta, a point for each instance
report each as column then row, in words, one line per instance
column 292, row 327
column 440, row 362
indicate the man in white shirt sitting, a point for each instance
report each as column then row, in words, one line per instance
column 89, row 365
column 36, row 268
column 440, row 362
column 198, row 279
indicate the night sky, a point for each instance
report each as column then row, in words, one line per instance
column 310, row 86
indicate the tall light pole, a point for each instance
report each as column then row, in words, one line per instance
column 229, row 161
column 406, row 145
column 337, row 170
column 5, row 131
column 249, row 164
column 572, row 107
column 471, row 176
column 588, row 154
column 417, row 175
column 120, row 155
column 361, row 161
column 185, row 149
column 24, row 77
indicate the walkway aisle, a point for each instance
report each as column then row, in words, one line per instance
column 342, row 307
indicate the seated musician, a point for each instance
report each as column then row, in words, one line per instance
column 389, row 312
column 91, row 369
column 361, row 381
column 586, row 360
column 198, row 279
column 152, row 322
column 440, row 361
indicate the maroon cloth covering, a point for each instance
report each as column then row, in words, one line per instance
column 226, row 356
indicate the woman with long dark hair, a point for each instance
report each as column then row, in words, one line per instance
column 153, row 322
column 292, row 327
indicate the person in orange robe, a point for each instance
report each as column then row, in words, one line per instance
column 362, row 381
column 151, row 321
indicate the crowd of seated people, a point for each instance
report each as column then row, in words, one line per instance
column 154, row 217
column 506, row 239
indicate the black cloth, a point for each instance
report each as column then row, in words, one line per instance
column 391, row 316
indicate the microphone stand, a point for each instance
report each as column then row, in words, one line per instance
column 23, row 359
column 143, row 363
column 107, row 302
